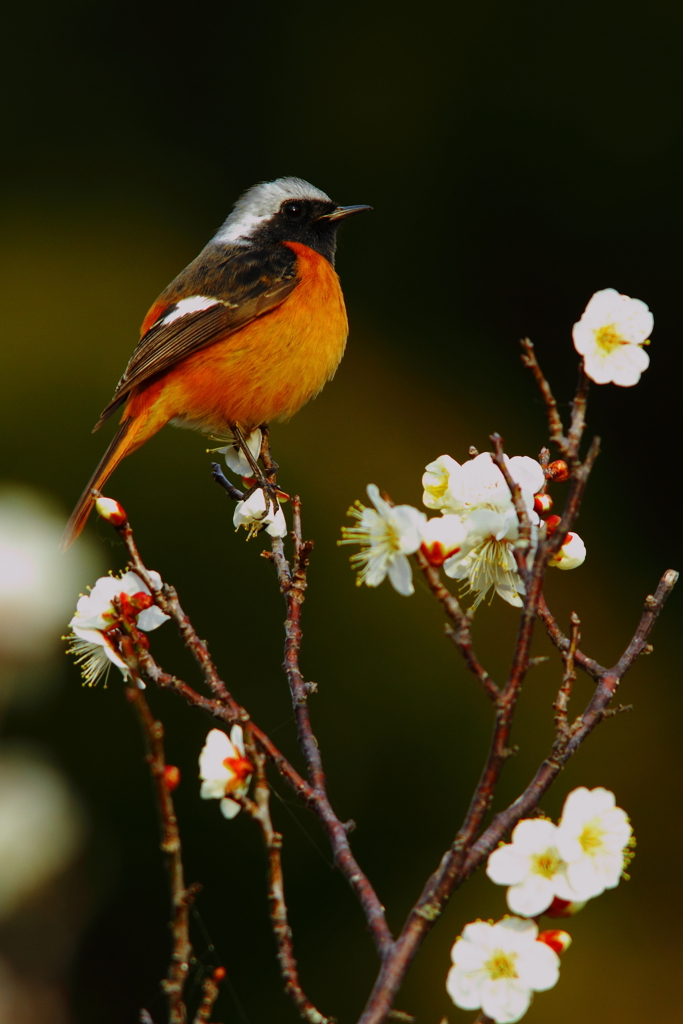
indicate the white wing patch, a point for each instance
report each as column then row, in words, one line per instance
column 194, row 304
column 262, row 202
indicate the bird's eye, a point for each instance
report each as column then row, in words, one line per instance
column 293, row 211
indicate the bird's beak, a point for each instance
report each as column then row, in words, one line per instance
column 344, row 211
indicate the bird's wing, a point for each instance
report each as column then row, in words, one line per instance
column 221, row 291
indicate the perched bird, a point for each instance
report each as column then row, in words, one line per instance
column 247, row 333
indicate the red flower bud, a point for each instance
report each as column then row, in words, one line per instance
column 133, row 604
column 564, row 908
column 111, row 510
column 557, row 471
column 551, row 524
column 171, row 777
column 219, row 974
column 556, row 939
column 542, row 503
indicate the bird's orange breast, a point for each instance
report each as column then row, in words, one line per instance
column 269, row 368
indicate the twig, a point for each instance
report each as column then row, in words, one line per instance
column 555, row 425
column 292, row 580
column 166, row 598
column 259, row 809
column 568, row 680
column 521, row 548
column 181, row 897
column 210, row 991
column 461, row 634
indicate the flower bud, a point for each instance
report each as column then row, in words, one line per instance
column 551, row 524
column 542, row 503
column 112, row 511
column 171, row 777
column 564, row 908
column 571, row 555
column 558, row 940
column 557, row 471
column 219, row 974
column 442, row 537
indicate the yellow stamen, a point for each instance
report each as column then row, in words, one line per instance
column 502, row 965
column 591, row 838
column 546, row 863
column 608, row 338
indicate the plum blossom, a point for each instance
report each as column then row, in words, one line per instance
column 387, row 534
column 442, row 537
column 96, row 617
column 256, row 513
column 571, row 555
column 498, row 967
column 593, row 837
column 478, row 483
column 531, row 865
column 610, row 335
column 486, row 558
column 435, row 482
column 477, row 493
column 235, row 458
column 225, row 769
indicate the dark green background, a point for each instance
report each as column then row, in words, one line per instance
column 518, row 158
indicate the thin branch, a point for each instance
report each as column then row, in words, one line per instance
column 521, row 548
column 181, row 896
column 555, row 425
column 259, row 809
column 461, row 633
column 292, row 581
column 210, row 991
column 568, row 680
column 166, row 598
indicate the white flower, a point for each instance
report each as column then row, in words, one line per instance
column 609, row 336
column 478, row 483
column 442, row 537
column 435, row 482
column 486, row 558
column 94, row 648
column 235, row 458
column 255, row 513
column 387, row 534
column 224, row 768
column 571, row 555
column 592, row 837
column 531, row 865
column 497, row 967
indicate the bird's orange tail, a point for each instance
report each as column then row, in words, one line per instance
column 125, row 440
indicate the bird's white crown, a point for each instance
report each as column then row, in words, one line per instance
column 260, row 203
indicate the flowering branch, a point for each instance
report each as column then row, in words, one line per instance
column 490, row 535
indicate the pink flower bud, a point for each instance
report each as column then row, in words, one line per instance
column 557, row 471
column 556, row 939
column 112, row 511
column 171, row 777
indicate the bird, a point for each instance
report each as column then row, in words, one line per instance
column 248, row 332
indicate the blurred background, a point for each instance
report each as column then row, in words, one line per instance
column 518, row 158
